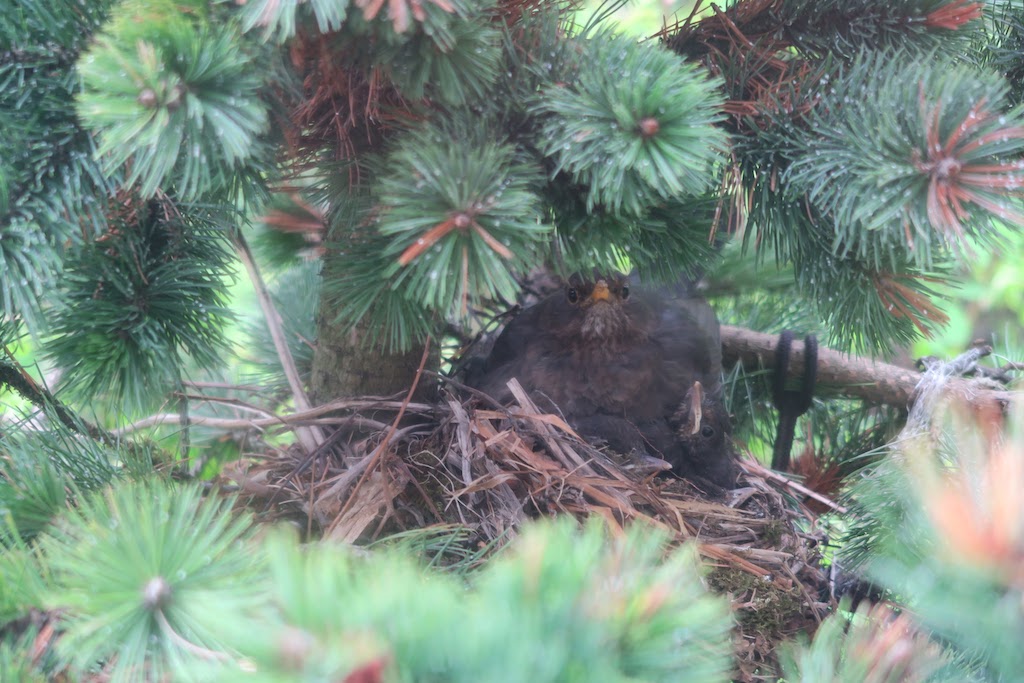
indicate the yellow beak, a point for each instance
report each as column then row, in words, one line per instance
column 696, row 410
column 601, row 291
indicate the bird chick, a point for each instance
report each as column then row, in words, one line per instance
column 704, row 429
column 644, row 465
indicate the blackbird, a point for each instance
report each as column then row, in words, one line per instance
column 703, row 432
column 617, row 361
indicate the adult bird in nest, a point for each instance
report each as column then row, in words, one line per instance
column 618, row 362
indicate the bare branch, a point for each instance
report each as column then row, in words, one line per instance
column 848, row 375
column 309, row 437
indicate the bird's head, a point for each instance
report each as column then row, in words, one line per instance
column 598, row 306
column 702, row 418
column 704, row 428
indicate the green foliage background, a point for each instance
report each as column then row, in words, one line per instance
column 126, row 289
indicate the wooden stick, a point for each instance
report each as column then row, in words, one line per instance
column 309, row 437
column 303, row 416
column 848, row 375
column 760, row 470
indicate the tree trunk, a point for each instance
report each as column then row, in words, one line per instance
column 344, row 366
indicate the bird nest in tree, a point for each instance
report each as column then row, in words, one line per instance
column 488, row 470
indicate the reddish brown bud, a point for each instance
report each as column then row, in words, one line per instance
column 649, row 127
column 147, row 98
column 462, row 221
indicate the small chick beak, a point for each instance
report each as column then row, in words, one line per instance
column 601, row 292
column 696, row 413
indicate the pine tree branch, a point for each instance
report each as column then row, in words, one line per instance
column 14, row 377
column 308, row 416
column 849, row 375
column 783, row 481
column 310, row 437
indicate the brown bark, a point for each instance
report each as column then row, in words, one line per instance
column 845, row 374
column 344, row 366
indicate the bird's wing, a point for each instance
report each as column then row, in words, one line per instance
column 689, row 333
column 517, row 352
column 518, row 334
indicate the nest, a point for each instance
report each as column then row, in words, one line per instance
column 489, row 469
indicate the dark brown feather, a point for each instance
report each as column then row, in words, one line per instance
column 617, row 363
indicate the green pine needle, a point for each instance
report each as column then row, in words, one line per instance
column 62, row 24
column 605, row 609
column 394, row 609
column 452, row 547
column 454, row 60
column 1004, row 47
column 873, row 311
column 30, row 264
column 52, row 191
column 139, row 299
column 148, row 575
column 278, row 19
column 867, row 646
column 638, row 126
column 361, row 300
column 901, row 145
column 23, row 577
column 41, row 468
column 560, row 605
column 296, row 294
column 955, row 585
column 461, row 216
column 16, row 662
column 844, row 27
column 671, row 239
column 885, row 517
column 186, row 109
column 866, row 309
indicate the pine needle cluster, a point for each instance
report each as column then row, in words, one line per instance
column 854, row 153
column 138, row 300
column 877, row 142
column 156, row 580
column 457, row 146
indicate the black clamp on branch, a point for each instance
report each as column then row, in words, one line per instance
column 791, row 403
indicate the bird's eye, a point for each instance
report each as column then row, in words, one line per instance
column 707, row 431
column 625, row 292
column 573, row 295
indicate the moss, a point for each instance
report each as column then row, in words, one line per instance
column 773, row 532
column 761, row 608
